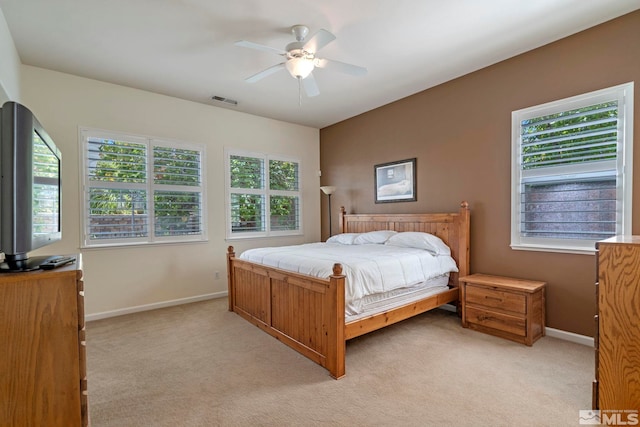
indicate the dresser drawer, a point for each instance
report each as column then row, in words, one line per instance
column 502, row 322
column 495, row 298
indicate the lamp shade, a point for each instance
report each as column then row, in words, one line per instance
column 328, row 189
column 299, row 67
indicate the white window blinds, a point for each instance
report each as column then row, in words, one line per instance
column 263, row 195
column 141, row 190
column 564, row 200
column 247, row 180
column 117, row 191
column 587, row 134
column 571, row 171
column 177, row 191
column 284, row 198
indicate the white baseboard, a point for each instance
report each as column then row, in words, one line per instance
column 569, row 336
column 448, row 307
column 550, row 332
column 146, row 307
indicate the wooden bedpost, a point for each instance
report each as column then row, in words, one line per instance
column 336, row 344
column 342, row 223
column 230, row 276
column 464, row 223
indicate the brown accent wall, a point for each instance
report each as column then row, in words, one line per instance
column 460, row 133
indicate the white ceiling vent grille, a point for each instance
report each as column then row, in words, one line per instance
column 224, row 100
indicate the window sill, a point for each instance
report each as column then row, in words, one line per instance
column 262, row 237
column 142, row 244
column 565, row 249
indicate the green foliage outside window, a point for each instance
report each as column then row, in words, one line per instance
column 283, row 175
column 246, row 172
column 248, row 209
column 175, row 212
column 176, row 166
column 118, row 161
column 575, row 136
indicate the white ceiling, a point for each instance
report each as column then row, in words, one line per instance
column 185, row 48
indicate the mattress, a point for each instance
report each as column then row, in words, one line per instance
column 374, row 272
column 380, row 303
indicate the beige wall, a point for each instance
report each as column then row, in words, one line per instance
column 119, row 279
column 9, row 65
column 460, row 133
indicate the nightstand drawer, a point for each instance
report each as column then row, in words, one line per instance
column 487, row 297
column 503, row 322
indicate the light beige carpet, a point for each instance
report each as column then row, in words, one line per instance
column 200, row 365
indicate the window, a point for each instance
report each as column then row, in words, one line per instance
column 263, row 195
column 571, row 176
column 140, row 190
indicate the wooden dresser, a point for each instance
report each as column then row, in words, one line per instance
column 617, row 339
column 503, row 306
column 43, row 361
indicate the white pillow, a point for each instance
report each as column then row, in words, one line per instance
column 378, row 237
column 416, row 239
column 343, row 238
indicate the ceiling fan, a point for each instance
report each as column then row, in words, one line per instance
column 301, row 58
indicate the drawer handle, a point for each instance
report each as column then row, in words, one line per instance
column 484, row 317
column 493, row 298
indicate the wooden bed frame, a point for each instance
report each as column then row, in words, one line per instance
column 308, row 313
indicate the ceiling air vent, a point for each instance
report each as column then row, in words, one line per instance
column 225, row 100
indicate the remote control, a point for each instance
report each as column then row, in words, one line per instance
column 55, row 262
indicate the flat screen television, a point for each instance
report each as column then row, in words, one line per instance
column 30, row 188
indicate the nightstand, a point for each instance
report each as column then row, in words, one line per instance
column 503, row 306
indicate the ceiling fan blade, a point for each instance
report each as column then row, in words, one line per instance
column 264, row 73
column 318, row 41
column 252, row 45
column 342, row 67
column 310, row 86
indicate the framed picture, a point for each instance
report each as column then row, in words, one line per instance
column 395, row 181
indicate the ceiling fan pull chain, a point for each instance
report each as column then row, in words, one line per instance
column 299, row 91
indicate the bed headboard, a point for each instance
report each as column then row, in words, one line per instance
column 452, row 228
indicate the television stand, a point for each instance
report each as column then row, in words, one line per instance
column 43, row 367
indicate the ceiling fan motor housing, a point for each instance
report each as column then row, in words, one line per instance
column 300, row 32
column 295, row 50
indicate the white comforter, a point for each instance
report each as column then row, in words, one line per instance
column 369, row 269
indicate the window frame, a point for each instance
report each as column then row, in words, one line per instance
column 623, row 166
column 266, row 192
column 149, row 186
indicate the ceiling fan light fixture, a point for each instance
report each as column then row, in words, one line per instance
column 300, row 68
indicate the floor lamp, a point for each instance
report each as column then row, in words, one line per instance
column 328, row 190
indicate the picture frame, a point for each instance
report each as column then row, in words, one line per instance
column 395, row 181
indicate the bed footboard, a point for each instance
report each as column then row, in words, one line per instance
column 305, row 313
